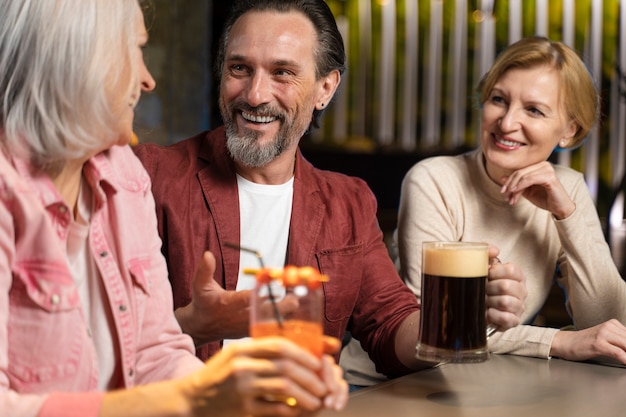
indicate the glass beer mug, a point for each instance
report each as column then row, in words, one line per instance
column 453, row 326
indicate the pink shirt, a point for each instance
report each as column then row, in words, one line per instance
column 48, row 364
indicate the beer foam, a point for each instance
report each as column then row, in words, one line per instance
column 455, row 260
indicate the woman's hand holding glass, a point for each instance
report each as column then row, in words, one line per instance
column 243, row 374
column 506, row 292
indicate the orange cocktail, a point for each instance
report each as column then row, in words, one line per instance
column 289, row 302
column 305, row 334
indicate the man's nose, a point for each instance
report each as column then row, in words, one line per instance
column 259, row 89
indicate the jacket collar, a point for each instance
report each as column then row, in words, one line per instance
column 307, row 214
column 219, row 186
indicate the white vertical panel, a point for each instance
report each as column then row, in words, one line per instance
column 359, row 122
column 387, row 72
column 485, row 45
column 487, row 38
column 408, row 87
column 515, row 21
column 340, row 105
column 592, row 148
column 569, row 14
column 432, row 72
column 458, row 62
column 541, row 17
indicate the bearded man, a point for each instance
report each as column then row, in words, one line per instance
column 247, row 184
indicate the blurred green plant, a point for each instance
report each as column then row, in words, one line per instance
column 363, row 18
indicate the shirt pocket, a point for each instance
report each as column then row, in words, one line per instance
column 140, row 272
column 344, row 268
column 46, row 330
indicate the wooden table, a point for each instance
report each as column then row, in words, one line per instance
column 503, row 386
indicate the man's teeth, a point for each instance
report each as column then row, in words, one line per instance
column 257, row 119
column 507, row 142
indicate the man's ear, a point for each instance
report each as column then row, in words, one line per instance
column 328, row 86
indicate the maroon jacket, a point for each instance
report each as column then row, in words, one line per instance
column 333, row 228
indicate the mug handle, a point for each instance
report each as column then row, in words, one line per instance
column 490, row 328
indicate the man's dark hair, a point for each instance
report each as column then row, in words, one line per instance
column 330, row 54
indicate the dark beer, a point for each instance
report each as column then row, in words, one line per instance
column 454, row 312
column 453, row 325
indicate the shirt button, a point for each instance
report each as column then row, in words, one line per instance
column 131, row 373
column 62, row 209
column 103, row 254
column 122, row 308
column 55, row 299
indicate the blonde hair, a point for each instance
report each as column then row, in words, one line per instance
column 579, row 95
column 59, row 60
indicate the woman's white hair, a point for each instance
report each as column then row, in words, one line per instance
column 59, row 63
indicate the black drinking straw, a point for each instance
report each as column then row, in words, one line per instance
column 258, row 255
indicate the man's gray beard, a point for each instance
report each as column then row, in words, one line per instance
column 245, row 148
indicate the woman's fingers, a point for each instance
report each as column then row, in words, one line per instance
column 506, row 292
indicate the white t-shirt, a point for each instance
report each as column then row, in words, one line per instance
column 265, row 215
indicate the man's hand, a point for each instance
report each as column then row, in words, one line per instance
column 214, row 313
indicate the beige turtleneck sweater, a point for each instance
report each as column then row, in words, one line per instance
column 452, row 198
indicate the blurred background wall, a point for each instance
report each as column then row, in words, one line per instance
column 409, row 89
